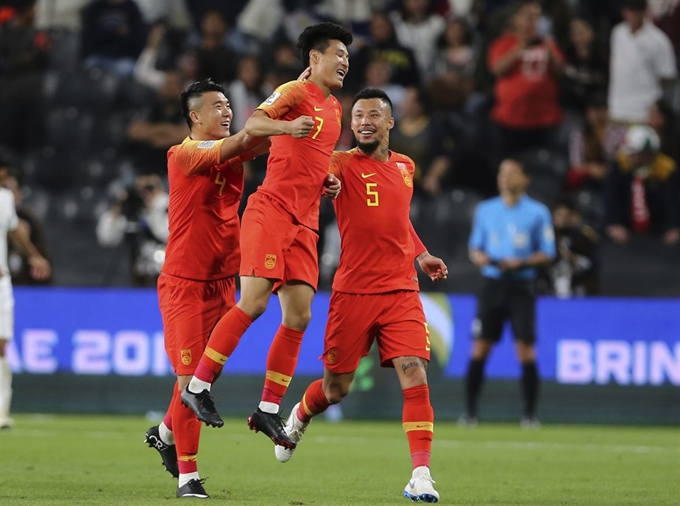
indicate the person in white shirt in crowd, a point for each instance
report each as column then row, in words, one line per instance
column 40, row 269
column 643, row 70
column 140, row 217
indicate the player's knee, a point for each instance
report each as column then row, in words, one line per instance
column 336, row 392
column 298, row 320
column 254, row 308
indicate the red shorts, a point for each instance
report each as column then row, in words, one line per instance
column 274, row 247
column 190, row 310
column 396, row 320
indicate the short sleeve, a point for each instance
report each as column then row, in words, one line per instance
column 285, row 97
column 193, row 157
column 545, row 233
column 665, row 58
column 477, row 235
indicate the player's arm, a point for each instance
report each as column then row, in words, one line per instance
column 266, row 122
column 261, row 125
column 434, row 267
column 196, row 157
column 332, row 183
column 476, row 243
column 40, row 267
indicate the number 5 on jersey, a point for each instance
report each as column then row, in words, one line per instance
column 373, row 199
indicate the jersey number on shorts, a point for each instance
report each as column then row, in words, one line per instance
column 427, row 336
column 221, row 181
column 318, row 128
column 373, row 199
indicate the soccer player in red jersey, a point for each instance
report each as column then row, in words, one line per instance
column 376, row 300
column 280, row 225
column 197, row 284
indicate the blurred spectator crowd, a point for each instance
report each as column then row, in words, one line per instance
column 88, row 109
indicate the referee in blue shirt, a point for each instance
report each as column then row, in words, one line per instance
column 511, row 237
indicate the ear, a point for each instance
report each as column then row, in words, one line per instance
column 314, row 56
column 193, row 115
column 390, row 123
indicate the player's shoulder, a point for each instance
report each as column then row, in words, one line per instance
column 342, row 158
column 6, row 194
column 291, row 87
column 402, row 158
column 535, row 206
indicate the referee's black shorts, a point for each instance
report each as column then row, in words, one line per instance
column 504, row 299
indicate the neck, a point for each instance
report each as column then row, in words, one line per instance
column 511, row 198
column 382, row 154
column 198, row 135
column 635, row 29
column 324, row 89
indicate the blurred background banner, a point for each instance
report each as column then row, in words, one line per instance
column 101, row 350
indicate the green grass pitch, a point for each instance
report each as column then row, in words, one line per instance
column 98, row 460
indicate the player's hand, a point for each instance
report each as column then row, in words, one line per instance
column 332, row 186
column 618, row 233
column 510, row 264
column 434, row 267
column 40, row 268
column 305, row 74
column 300, row 127
column 479, row 258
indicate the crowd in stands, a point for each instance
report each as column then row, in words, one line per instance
column 557, row 84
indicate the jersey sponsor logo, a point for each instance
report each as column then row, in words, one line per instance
column 186, row 356
column 367, row 175
column 206, row 144
column 318, row 108
column 270, row 261
column 272, row 98
column 407, row 178
column 331, row 356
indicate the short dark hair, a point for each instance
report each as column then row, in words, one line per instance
column 635, row 5
column 195, row 90
column 319, row 36
column 526, row 170
column 368, row 93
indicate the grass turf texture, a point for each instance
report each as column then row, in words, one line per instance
column 97, row 460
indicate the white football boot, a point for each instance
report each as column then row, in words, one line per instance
column 419, row 487
column 294, row 429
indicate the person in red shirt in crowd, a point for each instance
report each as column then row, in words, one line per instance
column 205, row 174
column 377, row 301
column 280, row 226
column 526, row 66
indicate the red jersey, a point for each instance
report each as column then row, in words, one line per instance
column 297, row 168
column 528, row 95
column 377, row 240
column 203, row 212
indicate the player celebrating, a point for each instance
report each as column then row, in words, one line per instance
column 376, row 300
column 197, row 284
column 280, row 226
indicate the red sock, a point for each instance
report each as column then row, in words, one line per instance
column 223, row 341
column 418, row 422
column 187, row 430
column 281, row 362
column 167, row 419
column 313, row 402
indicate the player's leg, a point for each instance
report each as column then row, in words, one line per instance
column 6, row 335
column 296, row 291
column 317, row 398
column 5, row 386
column 162, row 438
column 346, row 341
column 523, row 320
column 404, row 343
column 486, row 331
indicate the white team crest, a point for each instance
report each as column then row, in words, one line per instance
column 401, row 166
column 206, row 144
column 272, row 98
